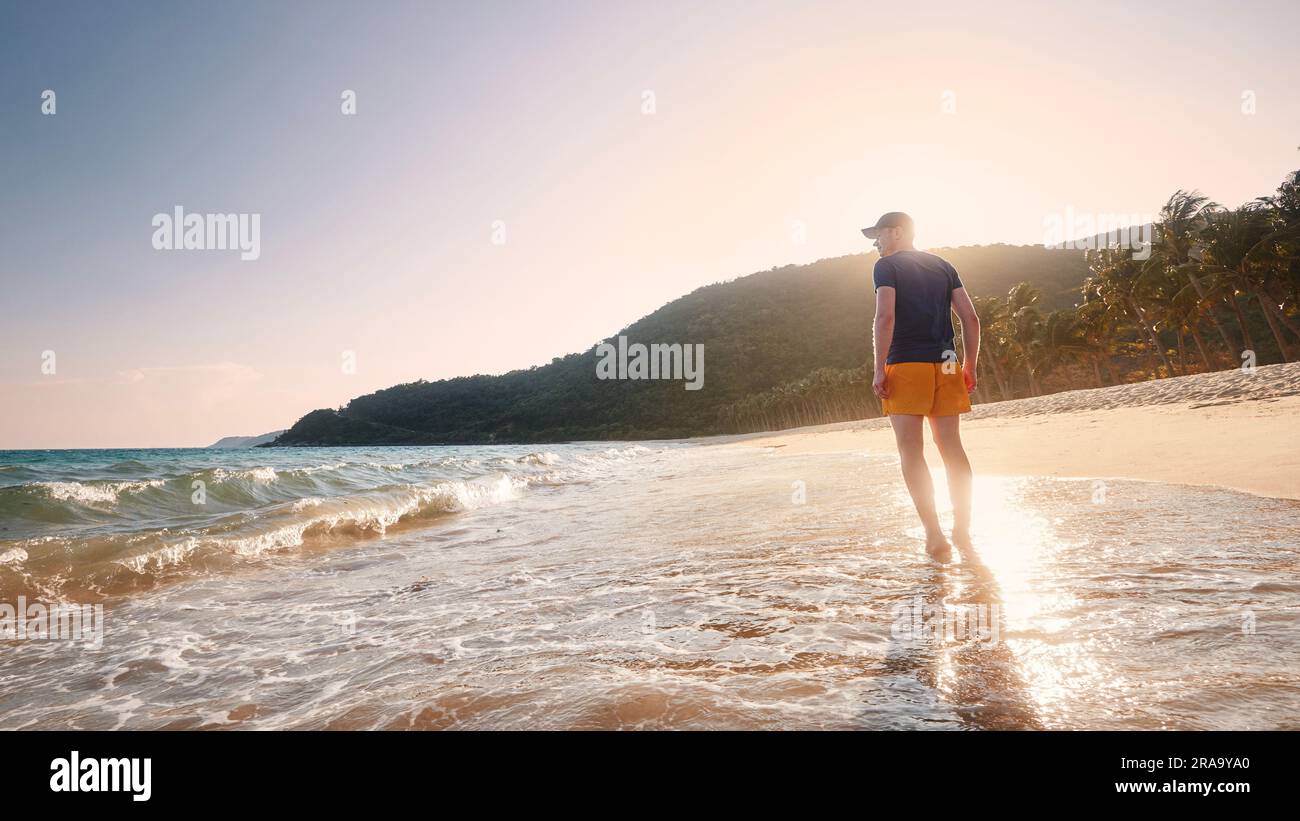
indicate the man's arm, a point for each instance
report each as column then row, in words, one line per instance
column 970, row 335
column 884, row 336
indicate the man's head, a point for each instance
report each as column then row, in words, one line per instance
column 892, row 233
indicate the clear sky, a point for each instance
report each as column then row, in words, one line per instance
column 377, row 228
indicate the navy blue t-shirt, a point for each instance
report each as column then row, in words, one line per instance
column 923, row 286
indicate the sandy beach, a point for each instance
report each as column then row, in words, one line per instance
column 1228, row 429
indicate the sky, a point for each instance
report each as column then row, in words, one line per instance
column 520, row 180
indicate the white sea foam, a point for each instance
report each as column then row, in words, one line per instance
column 260, row 475
column 94, row 493
column 161, row 558
column 318, row 468
column 544, row 458
column 616, row 454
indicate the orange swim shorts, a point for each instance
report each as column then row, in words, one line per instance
column 923, row 389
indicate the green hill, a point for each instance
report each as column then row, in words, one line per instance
column 759, row 332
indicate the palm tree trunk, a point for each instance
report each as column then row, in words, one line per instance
column 1271, row 306
column 1218, row 326
column 1096, row 371
column 997, row 375
column 1200, row 346
column 1272, row 326
column 1114, row 374
column 1155, row 340
column 1241, row 322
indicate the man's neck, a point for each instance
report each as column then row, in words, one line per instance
column 901, row 249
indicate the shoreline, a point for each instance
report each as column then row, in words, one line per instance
column 1225, row 429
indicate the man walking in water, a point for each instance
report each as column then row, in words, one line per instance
column 916, row 370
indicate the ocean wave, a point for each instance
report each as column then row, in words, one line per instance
column 354, row 516
column 117, row 529
column 623, row 454
column 160, row 558
column 544, row 458
column 97, row 563
column 40, row 504
column 92, row 493
column 309, row 470
column 261, row 475
column 629, row 451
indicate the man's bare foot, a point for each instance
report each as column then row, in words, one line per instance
column 937, row 548
column 962, row 539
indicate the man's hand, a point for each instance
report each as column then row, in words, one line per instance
column 968, row 374
column 878, row 385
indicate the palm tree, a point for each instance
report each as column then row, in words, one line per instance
column 1024, row 322
column 1283, row 282
column 1120, row 283
column 1177, row 249
column 1063, row 342
column 1241, row 247
column 992, row 314
column 1098, row 329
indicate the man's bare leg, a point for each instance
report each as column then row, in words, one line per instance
column 909, row 433
column 947, row 437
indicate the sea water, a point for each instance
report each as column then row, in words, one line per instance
column 651, row 585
